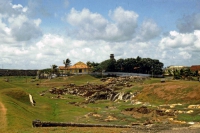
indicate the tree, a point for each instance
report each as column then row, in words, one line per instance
column 131, row 65
column 108, row 65
column 89, row 64
column 67, row 62
column 54, row 68
column 157, row 67
column 120, row 65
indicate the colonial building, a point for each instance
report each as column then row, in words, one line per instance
column 195, row 68
column 172, row 68
column 77, row 68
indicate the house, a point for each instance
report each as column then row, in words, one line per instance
column 195, row 68
column 77, row 68
column 171, row 68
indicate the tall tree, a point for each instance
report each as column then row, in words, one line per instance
column 120, row 65
column 54, row 68
column 89, row 64
column 67, row 62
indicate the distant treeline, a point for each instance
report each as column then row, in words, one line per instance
column 129, row 65
column 16, row 72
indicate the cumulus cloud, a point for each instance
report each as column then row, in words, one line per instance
column 197, row 42
column 38, row 8
column 185, row 55
column 179, row 48
column 26, row 31
column 148, row 30
column 7, row 8
column 15, row 24
column 189, row 23
column 93, row 38
column 94, row 26
column 122, row 26
column 176, row 39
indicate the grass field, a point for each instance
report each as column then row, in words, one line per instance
column 17, row 113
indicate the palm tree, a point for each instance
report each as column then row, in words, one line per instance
column 67, row 62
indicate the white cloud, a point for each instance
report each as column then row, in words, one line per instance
column 180, row 48
column 148, row 30
column 26, row 31
column 197, row 42
column 15, row 24
column 94, row 26
column 17, row 6
column 185, row 55
column 37, row 22
column 177, row 40
column 20, row 7
column 126, row 21
column 164, row 54
column 92, row 37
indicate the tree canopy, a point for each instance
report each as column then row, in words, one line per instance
column 67, row 62
column 133, row 65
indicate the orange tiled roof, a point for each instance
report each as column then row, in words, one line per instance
column 78, row 65
column 195, row 68
column 61, row 67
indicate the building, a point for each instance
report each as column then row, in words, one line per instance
column 172, row 68
column 77, row 68
column 112, row 57
column 195, row 68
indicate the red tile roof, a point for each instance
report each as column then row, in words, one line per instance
column 195, row 68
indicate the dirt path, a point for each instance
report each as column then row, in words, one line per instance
column 3, row 111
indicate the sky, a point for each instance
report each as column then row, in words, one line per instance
column 35, row 34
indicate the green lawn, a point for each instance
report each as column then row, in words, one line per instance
column 20, row 113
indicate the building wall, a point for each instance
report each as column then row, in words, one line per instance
column 75, row 71
column 172, row 68
column 77, row 68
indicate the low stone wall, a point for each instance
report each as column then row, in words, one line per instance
column 17, row 72
column 38, row 123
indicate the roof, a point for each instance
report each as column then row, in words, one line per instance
column 78, row 65
column 175, row 66
column 195, row 68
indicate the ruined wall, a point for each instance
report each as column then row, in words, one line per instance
column 16, row 72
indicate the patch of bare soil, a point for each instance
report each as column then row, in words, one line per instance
column 3, row 121
column 151, row 115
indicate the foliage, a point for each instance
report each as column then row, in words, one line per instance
column 47, row 70
column 67, row 62
column 184, row 73
column 109, row 65
column 95, row 66
column 89, row 64
column 134, row 65
column 54, row 68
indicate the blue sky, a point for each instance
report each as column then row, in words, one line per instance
column 38, row 33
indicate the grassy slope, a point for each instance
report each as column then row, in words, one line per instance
column 170, row 92
column 20, row 113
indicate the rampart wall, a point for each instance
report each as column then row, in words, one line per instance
column 17, row 72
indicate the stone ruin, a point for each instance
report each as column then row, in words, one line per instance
column 110, row 90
